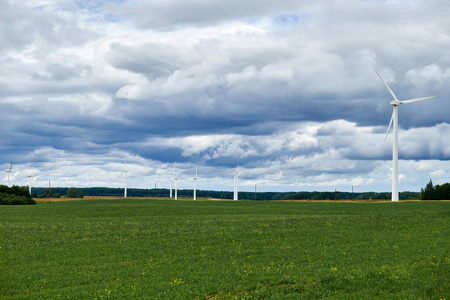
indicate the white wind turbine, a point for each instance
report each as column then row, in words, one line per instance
column 31, row 178
column 176, row 186
column 126, row 178
column 9, row 172
column 171, row 178
column 395, row 103
column 195, row 180
column 236, row 182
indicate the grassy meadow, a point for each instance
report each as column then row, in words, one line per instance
column 167, row 249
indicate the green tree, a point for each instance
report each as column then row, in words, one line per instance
column 443, row 191
column 72, row 192
column 15, row 195
column 429, row 193
column 50, row 193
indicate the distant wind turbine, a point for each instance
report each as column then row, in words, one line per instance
column 9, row 172
column 395, row 103
column 176, row 186
column 236, row 182
column 31, row 178
column 195, row 180
column 171, row 178
column 126, row 178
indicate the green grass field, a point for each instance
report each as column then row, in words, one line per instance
column 162, row 249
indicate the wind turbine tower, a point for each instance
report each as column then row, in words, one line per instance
column 171, row 178
column 236, row 182
column 176, row 186
column 9, row 172
column 195, row 180
column 395, row 103
column 31, row 178
column 126, row 178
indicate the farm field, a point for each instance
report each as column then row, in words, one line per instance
column 167, row 249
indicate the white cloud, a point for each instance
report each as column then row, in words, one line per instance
column 424, row 166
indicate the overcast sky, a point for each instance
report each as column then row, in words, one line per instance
column 286, row 89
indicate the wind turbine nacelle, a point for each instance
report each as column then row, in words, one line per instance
column 395, row 102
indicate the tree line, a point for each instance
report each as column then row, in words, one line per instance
column 259, row 196
column 430, row 192
column 438, row 192
column 57, row 193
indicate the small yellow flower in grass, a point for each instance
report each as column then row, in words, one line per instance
column 177, row 281
column 291, row 266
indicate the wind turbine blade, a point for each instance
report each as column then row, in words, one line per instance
column 415, row 100
column 392, row 93
column 239, row 173
column 10, row 167
column 174, row 165
column 390, row 124
column 121, row 174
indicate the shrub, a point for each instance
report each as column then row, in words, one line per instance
column 15, row 196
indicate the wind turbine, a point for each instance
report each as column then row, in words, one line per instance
column 176, row 186
column 195, row 180
column 395, row 103
column 31, row 178
column 236, row 182
column 9, row 172
column 126, row 177
column 171, row 177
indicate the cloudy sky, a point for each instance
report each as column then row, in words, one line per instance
column 286, row 89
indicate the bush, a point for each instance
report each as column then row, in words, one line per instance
column 15, row 196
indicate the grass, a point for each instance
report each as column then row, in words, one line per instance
column 162, row 249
